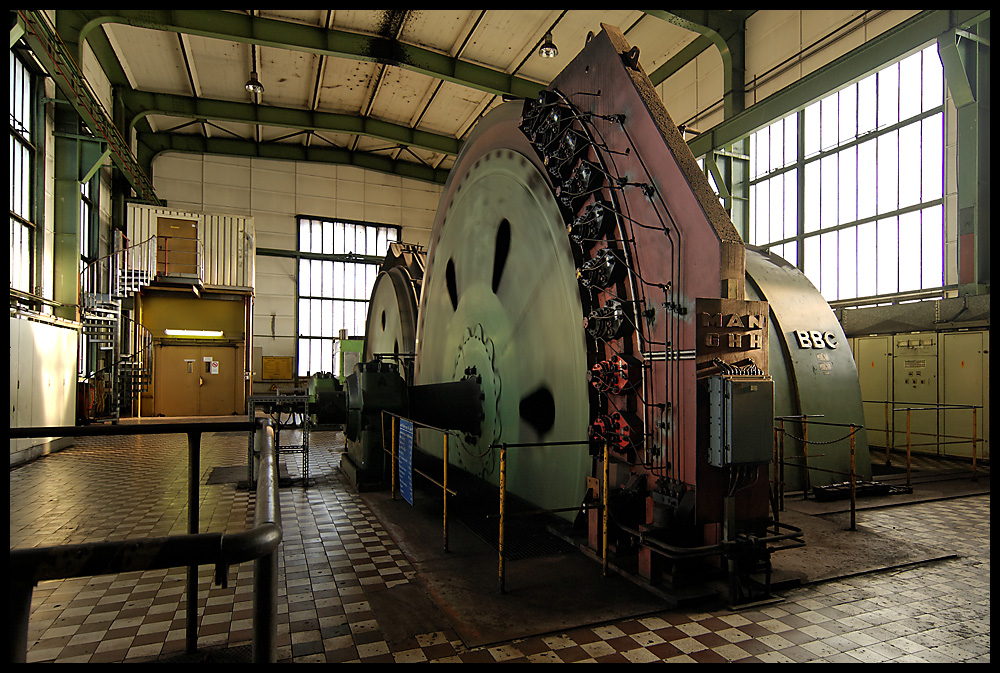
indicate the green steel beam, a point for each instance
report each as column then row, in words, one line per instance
column 680, row 59
column 965, row 55
column 726, row 30
column 893, row 44
column 60, row 59
column 203, row 109
column 151, row 144
column 236, row 27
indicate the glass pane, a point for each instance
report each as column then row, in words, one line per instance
column 888, row 172
column 326, row 324
column 339, row 237
column 829, row 193
column 777, row 145
column 830, row 261
column 383, row 242
column 776, row 209
column 790, row 253
column 315, row 317
column 791, row 204
column 811, row 197
column 848, row 119
column 847, row 280
column 887, row 256
column 867, row 171
column 888, row 96
column 847, row 164
column 764, row 150
column 811, row 260
column 327, row 282
column 909, row 165
column 791, row 139
column 328, row 233
column 932, row 157
column 867, row 105
column 933, row 247
column 910, row 102
column 303, row 357
column 933, row 84
column 371, row 245
column 338, row 316
column 866, row 246
column 304, row 277
column 812, row 135
column 909, row 252
column 303, row 317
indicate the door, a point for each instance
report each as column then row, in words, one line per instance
column 195, row 380
column 177, row 247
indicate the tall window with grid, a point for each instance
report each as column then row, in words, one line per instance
column 338, row 262
column 851, row 189
column 22, row 175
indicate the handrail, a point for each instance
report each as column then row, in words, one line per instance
column 68, row 75
column 120, row 262
column 779, row 461
column 260, row 544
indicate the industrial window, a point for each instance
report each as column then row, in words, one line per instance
column 851, row 188
column 338, row 262
column 22, row 175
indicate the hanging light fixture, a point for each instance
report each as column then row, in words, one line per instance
column 253, row 84
column 548, row 48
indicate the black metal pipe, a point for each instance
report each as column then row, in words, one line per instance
column 32, row 565
column 194, row 477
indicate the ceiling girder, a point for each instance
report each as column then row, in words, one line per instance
column 203, row 109
column 237, row 27
column 151, row 144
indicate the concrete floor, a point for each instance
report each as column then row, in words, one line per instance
column 358, row 585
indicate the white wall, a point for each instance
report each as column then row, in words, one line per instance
column 274, row 193
column 42, row 383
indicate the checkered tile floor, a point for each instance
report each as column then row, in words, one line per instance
column 335, row 552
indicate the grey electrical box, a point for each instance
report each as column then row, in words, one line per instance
column 741, row 413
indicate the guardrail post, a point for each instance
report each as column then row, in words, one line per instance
column 854, row 498
column 908, row 448
column 604, row 512
column 265, row 572
column 975, row 441
column 503, row 507
column 781, row 454
column 194, row 479
column 444, row 495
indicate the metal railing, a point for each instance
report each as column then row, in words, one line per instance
column 778, row 476
column 393, row 452
column 180, row 257
column 260, row 544
column 937, row 440
column 787, row 537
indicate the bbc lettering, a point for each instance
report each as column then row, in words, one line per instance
column 815, row 339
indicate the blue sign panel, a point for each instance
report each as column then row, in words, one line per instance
column 405, row 455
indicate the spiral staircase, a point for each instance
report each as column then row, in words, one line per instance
column 115, row 350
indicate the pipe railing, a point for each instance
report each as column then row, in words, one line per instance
column 28, row 566
column 780, row 462
column 502, row 560
column 393, row 451
column 937, row 440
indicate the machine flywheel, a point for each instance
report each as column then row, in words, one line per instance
column 500, row 298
